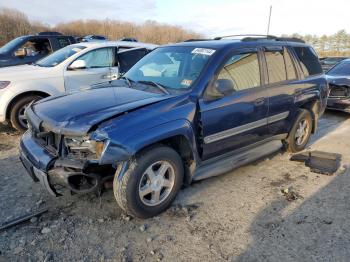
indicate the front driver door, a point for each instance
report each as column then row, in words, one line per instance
column 100, row 67
column 239, row 117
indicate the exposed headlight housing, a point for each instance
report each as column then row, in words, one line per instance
column 4, row 84
column 84, row 148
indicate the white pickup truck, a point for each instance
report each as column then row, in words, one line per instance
column 72, row 68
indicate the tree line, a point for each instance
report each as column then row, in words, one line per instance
column 337, row 44
column 14, row 23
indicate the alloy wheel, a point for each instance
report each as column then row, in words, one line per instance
column 156, row 183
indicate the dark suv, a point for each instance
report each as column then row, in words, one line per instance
column 30, row 48
column 184, row 112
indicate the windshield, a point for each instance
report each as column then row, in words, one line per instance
column 174, row 68
column 10, row 45
column 59, row 56
column 340, row 69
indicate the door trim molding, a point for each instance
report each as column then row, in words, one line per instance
column 244, row 128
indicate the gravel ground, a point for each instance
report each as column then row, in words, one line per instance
column 239, row 216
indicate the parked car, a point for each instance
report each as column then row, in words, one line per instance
column 69, row 69
column 94, row 38
column 328, row 62
column 30, row 48
column 339, row 84
column 183, row 113
column 129, row 39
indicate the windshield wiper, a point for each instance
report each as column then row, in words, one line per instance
column 128, row 80
column 159, row 86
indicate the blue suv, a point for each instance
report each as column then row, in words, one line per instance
column 184, row 112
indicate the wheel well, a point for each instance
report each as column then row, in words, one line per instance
column 312, row 107
column 15, row 99
column 182, row 146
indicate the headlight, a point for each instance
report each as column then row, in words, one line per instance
column 84, row 148
column 4, row 84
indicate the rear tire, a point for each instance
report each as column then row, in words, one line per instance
column 151, row 182
column 17, row 116
column 300, row 133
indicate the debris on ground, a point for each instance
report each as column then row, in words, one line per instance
column 143, row 228
column 291, row 194
column 319, row 162
column 21, row 219
column 186, row 211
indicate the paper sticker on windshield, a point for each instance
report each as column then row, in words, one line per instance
column 186, row 82
column 203, row 51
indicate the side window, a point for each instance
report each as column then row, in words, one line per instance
column 308, row 60
column 98, row 58
column 290, row 68
column 129, row 58
column 242, row 71
column 63, row 41
column 37, row 47
column 275, row 66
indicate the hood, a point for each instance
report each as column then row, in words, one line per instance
column 23, row 72
column 338, row 80
column 77, row 113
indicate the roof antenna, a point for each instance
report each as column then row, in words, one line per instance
column 268, row 25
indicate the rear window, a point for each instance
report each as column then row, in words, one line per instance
column 308, row 61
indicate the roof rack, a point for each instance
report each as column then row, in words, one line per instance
column 246, row 36
column 257, row 37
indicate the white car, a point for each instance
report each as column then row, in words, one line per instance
column 72, row 68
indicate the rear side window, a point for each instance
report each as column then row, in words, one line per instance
column 275, row 66
column 290, row 68
column 280, row 66
column 63, row 41
column 308, row 61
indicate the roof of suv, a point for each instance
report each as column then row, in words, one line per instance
column 227, row 43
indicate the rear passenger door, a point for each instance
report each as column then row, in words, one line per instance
column 237, row 117
column 282, row 85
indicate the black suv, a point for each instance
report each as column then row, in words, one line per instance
column 30, row 48
column 184, row 112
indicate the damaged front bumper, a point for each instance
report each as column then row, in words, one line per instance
column 58, row 174
column 36, row 160
column 339, row 104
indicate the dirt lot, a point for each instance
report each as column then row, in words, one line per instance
column 240, row 216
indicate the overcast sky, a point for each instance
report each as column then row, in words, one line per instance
column 209, row 17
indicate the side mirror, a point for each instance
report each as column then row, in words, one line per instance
column 78, row 64
column 224, row 86
column 21, row 52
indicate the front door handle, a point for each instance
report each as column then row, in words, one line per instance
column 259, row 101
column 110, row 76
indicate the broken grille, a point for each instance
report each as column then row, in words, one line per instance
column 339, row 91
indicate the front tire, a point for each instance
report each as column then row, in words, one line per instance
column 300, row 133
column 151, row 182
column 17, row 116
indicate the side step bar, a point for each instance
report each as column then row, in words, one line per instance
column 224, row 165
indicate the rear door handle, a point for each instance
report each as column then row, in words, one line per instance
column 259, row 101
